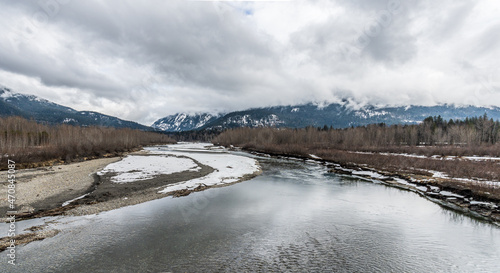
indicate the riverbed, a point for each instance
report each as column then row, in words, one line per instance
column 294, row 217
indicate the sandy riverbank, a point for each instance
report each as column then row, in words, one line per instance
column 105, row 184
column 46, row 191
column 47, row 188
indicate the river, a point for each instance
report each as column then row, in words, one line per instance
column 295, row 217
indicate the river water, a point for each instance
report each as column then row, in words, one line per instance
column 295, row 217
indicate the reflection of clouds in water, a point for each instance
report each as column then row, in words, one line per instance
column 295, row 170
column 276, row 222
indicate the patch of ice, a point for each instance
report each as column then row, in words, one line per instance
column 450, row 194
column 449, row 157
column 436, row 174
column 192, row 147
column 434, row 188
column 370, row 173
column 491, row 205
column 395, row 154
column 405, row 155
column 481, row 158
column 494, row 184
column 472, row 158
column 404, row 182
column 74, row 199
column 363, row 153
column 315, row 156
column 421, row 188
column 135, row 168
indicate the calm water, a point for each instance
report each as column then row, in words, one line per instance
column 295, row 217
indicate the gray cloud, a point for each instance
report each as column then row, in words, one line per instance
column 144, row 61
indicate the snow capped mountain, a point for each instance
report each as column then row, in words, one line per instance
column 336, row 115
column 30, row 102
column 253, row 118
column 33, row 107
column 183, row 122
column 247, row 120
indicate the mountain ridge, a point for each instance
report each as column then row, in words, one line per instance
column 42, row 110
column 184, row 122
column 337, row 115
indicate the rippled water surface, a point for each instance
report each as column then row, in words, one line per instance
column 295, row 217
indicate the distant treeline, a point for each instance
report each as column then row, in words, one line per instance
column 380, row 146
column 28, row 141
column 473, row 134
column 195, row 135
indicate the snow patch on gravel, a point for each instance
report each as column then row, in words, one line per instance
column 315, row 156
column 229, row 168
column 370, row 173
column 135, row 168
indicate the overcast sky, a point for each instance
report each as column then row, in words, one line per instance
column 143, row 60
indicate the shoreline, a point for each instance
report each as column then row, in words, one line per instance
column 461, row 200
column 42, row 189
column 102, row 194
column 97, row 193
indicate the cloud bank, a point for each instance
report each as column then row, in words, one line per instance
column 142, row 61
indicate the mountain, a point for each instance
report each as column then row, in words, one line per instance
column 33, row 107
column 183, row 122
column 337, row 115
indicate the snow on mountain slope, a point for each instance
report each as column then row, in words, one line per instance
column 42, row 110
column 183, row 122
column 336, row 115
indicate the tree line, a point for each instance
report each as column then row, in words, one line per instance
column 206, row 135
column 28, row 141
column 380, row 146
column 473, row 133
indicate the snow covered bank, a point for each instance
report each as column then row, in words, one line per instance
column 194, row 147
column 477, row 181
column 135, row 167
column 229, row 168
column 436, row 157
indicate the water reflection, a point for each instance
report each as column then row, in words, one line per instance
column 295, row 217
